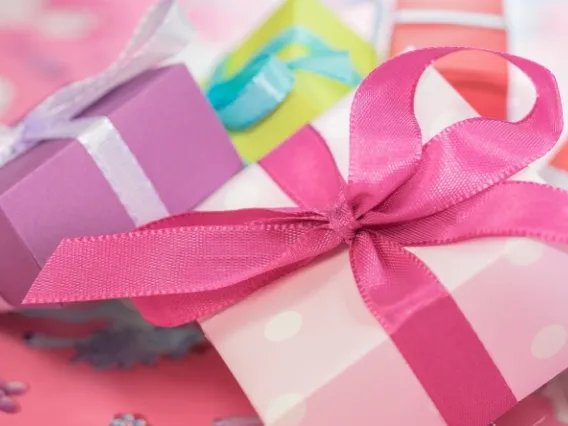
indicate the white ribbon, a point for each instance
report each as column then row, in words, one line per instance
column 162, row 33
column 450, row 17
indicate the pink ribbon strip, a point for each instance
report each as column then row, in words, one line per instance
column 399, row 193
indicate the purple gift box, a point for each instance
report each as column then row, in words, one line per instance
column 57, row 189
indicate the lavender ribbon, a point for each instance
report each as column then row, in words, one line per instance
column 162, row 33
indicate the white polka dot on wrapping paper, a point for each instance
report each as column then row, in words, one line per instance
column 242, row 196
column 6, row 94
column 523, row 251
column 66, row 24
column 286, row 410
column 283, row 326
column 549, row 341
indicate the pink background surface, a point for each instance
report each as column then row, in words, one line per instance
column 192, row 391
column 42, row 45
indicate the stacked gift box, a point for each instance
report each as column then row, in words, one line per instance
column 300, row 229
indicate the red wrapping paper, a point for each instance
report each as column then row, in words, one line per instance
column 481, row 78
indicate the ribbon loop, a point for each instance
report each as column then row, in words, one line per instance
column 267, row 81
column 520, row 204
column 390, row 158
column 260, row 87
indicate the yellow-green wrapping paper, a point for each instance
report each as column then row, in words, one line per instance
column 312, row 94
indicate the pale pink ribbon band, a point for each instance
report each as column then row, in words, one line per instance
column 491, row 21
column 399, row 193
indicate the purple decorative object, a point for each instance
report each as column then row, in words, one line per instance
column 124, row 348
column 56, row 190
column 129, row 420
column 126, row 341
column 8, row 390
column 238, row 421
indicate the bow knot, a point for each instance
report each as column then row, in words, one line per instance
column 342, row 219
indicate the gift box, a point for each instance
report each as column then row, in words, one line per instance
column 158, row 150
column 87, row 367
column 447, row 309
column 297, row 64
column 315, row 326
column 481, row 78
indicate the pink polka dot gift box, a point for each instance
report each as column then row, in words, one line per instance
column 395, row 262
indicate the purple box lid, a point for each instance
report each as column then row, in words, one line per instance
column 56, row 190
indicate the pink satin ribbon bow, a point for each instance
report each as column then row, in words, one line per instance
column 399, row 193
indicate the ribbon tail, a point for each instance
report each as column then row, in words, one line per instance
column 208, row 267
column 508, row 209
column 174, row 310
column 407, row 299
column 179, row 309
